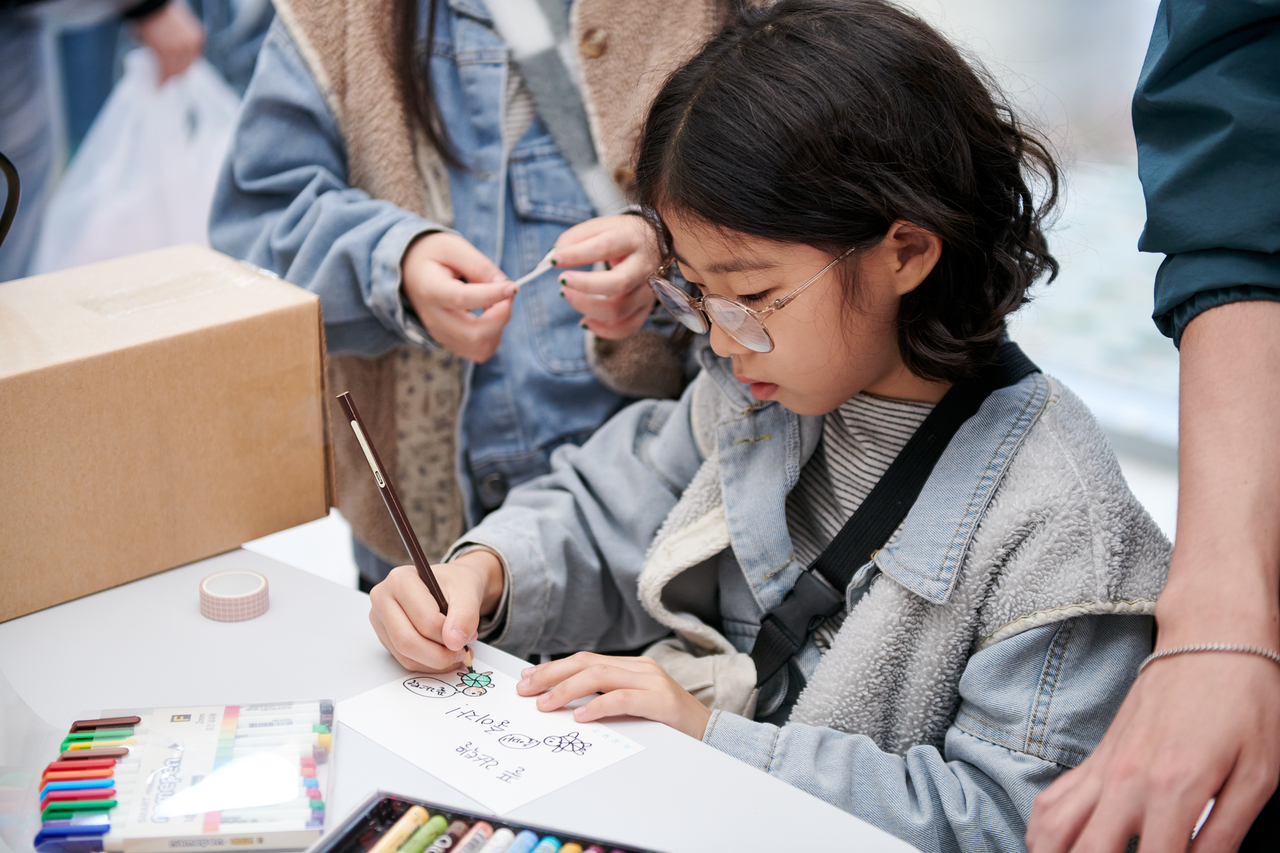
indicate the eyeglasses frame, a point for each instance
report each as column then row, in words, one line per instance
column 696, row 303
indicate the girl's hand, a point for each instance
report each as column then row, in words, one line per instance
column 408, row 622
column 614, row 302
column 437, row 270
column 174, row 34
column 637, row 687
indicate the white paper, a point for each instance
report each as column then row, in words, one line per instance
column 471, row 730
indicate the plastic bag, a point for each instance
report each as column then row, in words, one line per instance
column 145, row 174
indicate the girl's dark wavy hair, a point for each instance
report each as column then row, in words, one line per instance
column 823, row 122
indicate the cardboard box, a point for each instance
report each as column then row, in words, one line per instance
column 154, row 410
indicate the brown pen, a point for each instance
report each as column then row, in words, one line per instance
column 392, row 500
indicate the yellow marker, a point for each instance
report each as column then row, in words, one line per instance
column 572, row 847
column 402, row 829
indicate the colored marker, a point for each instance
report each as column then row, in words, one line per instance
column 88, row 754
column 450, row 838
column 105, row 722
column 424, row 835
column 550, row 844
column 289, row 709
column 501, row 842
column 572, row 848
column 524, row 842
column 400, row 830
column 594, row 848
column 281, row 728
column 477, row 837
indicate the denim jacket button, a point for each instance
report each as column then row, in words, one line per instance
column 493, row 490
column 594, row 42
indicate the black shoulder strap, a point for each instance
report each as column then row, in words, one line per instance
column 820, row 590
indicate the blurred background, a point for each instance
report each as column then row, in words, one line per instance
column 1068, row 66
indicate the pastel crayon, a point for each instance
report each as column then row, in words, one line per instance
column 476, row 838
column 550, row 844
column 500, row 843
column 572, row 847
column 450, row 838
column 400, row 830
column 425, row 834
column 524, row 842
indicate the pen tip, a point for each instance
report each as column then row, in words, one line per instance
column 469, row 656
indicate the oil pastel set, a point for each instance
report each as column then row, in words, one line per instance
column 471, row 730
column 207, row 777
column 388, row 823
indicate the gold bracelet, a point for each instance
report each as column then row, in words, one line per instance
column 1210, row 647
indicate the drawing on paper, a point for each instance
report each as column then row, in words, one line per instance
column 470, row 683
column 515, row 741
column 566, row 743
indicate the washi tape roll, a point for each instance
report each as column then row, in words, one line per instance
column 233, row 596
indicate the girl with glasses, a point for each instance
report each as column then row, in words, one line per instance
column 850, row 212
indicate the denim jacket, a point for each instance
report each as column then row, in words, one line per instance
column 1026, row 569
column 283, row 203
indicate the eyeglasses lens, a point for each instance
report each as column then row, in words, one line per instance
column 739, row 324
column 676, row 301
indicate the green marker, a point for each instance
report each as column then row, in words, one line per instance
column 63, row 811
column 425, row 834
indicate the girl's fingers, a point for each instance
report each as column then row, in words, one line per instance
column 398, row 633
column 453, row 295
column 621, row 328
column 1239, row 801
column 605, row 239
column 550, row 675
column 626, row 276
column 463, row 259
column 612, row 310
column 1061, row 811
column 621, row 703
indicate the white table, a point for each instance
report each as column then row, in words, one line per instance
column 145, row 644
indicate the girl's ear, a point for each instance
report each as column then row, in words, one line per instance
column 911, row 252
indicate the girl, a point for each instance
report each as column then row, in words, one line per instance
column 853, row 211
column 389, row 157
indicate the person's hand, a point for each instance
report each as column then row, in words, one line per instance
column 174, row 35
column 637, row 687
column 409, row 624
column 436, row 272
column 1193, row 727
column 613, row 302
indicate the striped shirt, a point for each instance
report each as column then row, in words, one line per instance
column 859, row 442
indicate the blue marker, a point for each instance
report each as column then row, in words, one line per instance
column 550, row 844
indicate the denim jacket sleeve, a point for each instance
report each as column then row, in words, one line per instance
column 282, row 203
column 1030, row 706
column 573, row 541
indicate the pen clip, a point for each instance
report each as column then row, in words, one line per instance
column 368, row 454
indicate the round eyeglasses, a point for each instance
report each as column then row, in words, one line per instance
column 745, row 325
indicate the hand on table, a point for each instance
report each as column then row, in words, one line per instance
column 1193, row 727
column 409, row 624
column 636, row 687
column 175, row 36
column 616, row 301
column 440, row 272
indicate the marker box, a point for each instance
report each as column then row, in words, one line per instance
column 190, row 778
column 360, row 831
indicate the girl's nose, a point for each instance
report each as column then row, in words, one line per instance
column 723, row 345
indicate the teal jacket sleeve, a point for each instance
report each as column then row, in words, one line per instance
column 1208, row 131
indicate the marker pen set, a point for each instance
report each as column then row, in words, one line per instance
column 387, row 823
column 147, row 780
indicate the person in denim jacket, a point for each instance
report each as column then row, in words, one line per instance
column 854, row 209
column 408, row 202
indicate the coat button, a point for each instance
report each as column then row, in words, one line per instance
column 594, row 42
